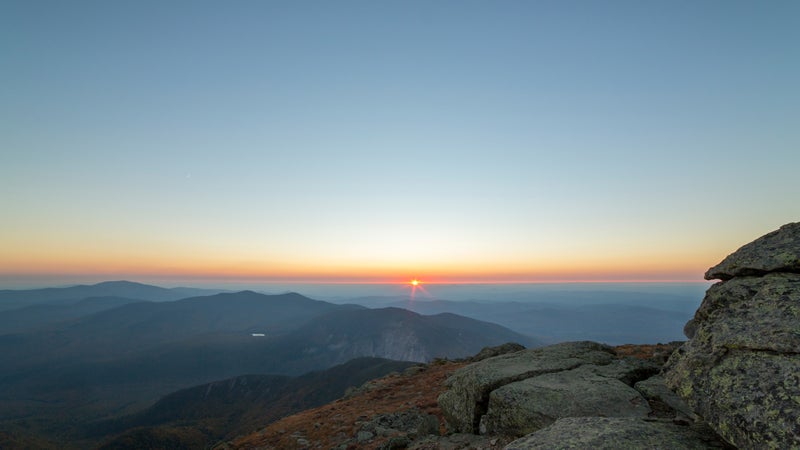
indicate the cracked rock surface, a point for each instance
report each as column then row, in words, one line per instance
column 525, row 406
column 573, row 395
column 519, row 393
column 467, row 398
column 740, row 370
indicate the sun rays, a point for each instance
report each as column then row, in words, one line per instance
column 415, row 286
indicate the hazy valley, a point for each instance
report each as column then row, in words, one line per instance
column 72, row 364
column 83, row 364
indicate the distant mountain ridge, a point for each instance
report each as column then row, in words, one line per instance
column 604, row 319
column 391, row 333
column 11, row 299
column 139, row 326
column 40, row 316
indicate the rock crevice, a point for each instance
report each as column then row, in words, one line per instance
column 468, row 397
column 519, row 393
column 571, row 395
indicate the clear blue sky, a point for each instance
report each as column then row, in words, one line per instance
column 492, row 140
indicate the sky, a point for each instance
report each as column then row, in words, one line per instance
column 362, row 141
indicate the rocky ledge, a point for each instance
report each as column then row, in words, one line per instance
column 737, row 378
column 571, row 395
column 740, row 369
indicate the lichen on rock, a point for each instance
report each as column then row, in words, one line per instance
column 525, row 406
column 740, row 370
column 467, row 397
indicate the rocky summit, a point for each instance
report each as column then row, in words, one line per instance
column 740, row 370
column 545, row 398
column 734, row 384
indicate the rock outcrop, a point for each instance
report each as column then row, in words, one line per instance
column 740, row 370
column 531, row 404
column 488, row 352
column 519, row 393
column 573, row 395
column 778, row 251
column 465, row 402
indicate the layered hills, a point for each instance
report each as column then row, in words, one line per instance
column 12, row 299
column 57, row 378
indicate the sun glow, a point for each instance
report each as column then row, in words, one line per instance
column 416, row 285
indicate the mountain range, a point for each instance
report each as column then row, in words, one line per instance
column 13, row 299
column 114, row 356
column 614, row 317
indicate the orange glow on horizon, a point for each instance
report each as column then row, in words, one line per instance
column 683, row 276
column 177, row 267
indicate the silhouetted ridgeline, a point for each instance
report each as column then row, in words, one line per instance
column 12, row 299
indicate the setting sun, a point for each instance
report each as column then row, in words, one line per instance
column 416, row 285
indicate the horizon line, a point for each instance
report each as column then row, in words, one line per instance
column 210, row 282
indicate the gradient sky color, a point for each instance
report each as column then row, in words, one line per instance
column 380, row 141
